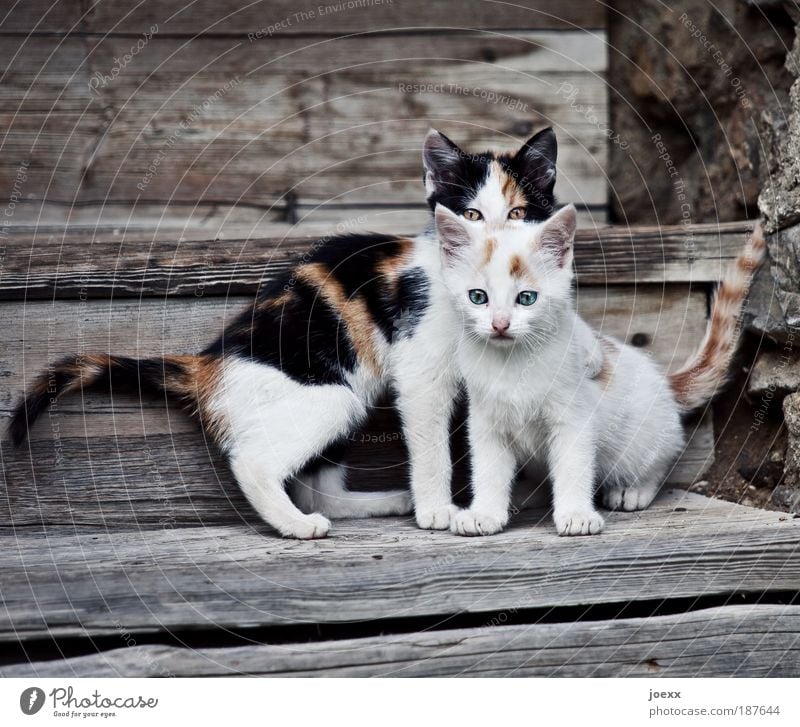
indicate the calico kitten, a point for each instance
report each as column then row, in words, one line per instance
column 528, row 396
column 297, row 371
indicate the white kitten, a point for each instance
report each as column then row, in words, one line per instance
column 522, row 356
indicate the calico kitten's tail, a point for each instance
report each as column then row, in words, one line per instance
column 189, row 379
column 702, row 377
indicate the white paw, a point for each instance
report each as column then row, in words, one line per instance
column 436, row 519
column 628, row 498
column 470, row 522
column 308, row 528
column 580, row 522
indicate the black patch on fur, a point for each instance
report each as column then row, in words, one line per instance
column 413, row 292
column 122, row 373
column 305, row 338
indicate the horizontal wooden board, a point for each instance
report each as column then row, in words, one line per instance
column 740, row 641
column 670, row 322
column 87, row 582
column 88, row 263
column 153, row 467
column 337, row 120
column 281, row 17
column 102, row 460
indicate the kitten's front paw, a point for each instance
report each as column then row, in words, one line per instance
column 438, row 518
column 470, row 522
column 581, row 522
column 629, row 498
column 308, row 528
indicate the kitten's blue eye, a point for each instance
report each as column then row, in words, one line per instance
column 527, row 297
column 478, row 296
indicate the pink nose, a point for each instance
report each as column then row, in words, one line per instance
column 500, row 324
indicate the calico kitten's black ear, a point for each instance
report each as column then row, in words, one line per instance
column 557, row 236
column 536, row 161
column 441, row 159
column 451, row 230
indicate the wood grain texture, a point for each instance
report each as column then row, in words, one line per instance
column 339, row 120
column 741, row 641
column 179, row 17
column 74, row 581
column 81, row 263
column 96, row 459
column 670, row 322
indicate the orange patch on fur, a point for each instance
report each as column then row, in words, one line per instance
column 391, row 266
column 353, row 311
column 279, row 301
column 509, row 187
column 198, row 381
column 488, row 250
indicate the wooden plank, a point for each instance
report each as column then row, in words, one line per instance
column 90, row 582
column 340, row 120
column 87, row 263
column 741, row 641
column 670, row 322
column 152, row 467
column 284, row 17
column 99, row 460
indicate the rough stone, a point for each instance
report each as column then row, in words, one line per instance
column 791, row 415
column 786, row 498
column 700, row 75
column 776, row 373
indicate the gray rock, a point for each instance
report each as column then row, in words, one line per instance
column 776, row 373
column 791, row 466
column 787, row 498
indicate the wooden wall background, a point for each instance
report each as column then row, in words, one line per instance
column 287, row 118
column 271, row 122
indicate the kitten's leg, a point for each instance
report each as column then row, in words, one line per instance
column 425, row 401
column 493, row 467
column 275, row 427
column 572, row 464
column 263, row 485
column 333, row 499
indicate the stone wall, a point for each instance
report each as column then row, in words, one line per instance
column 691, row 83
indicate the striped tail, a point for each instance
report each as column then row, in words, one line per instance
column 703, row 376
column 185, row 378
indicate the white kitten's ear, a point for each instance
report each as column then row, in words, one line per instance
column 558, row 235
column 441, row 159
column 451, row 230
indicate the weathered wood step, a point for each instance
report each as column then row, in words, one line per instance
column 742, row 641
column 93, row 581
column 82, row 264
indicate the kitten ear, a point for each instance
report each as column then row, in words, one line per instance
column 441, row 159
column 536, row 160
column 453, row 233
column 558, row 234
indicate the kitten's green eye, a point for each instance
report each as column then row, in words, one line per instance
column 472, row 214
column 478, row 296
column 518, row 213
column 527, row 297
